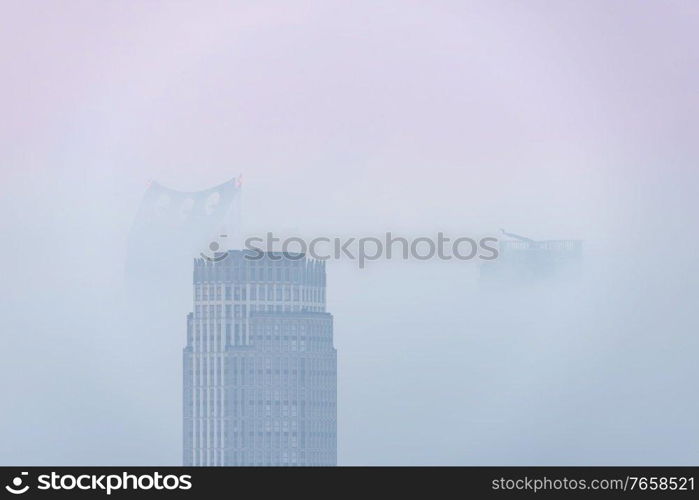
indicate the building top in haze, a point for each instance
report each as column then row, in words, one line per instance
column 523, row 260
column 253, row 266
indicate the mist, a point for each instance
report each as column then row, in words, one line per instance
column 552, row 120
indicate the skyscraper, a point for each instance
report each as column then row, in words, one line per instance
column 524, row 261
column 171, row 227
column 260, row 368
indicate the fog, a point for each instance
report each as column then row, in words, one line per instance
column 553, row 120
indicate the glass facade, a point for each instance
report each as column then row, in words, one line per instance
column 260, row 369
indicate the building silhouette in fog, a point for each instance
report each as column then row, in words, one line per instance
column 524, row 261
column 260, row 368
column 171, row 227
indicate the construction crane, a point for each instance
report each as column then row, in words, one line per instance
column 517, row 236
